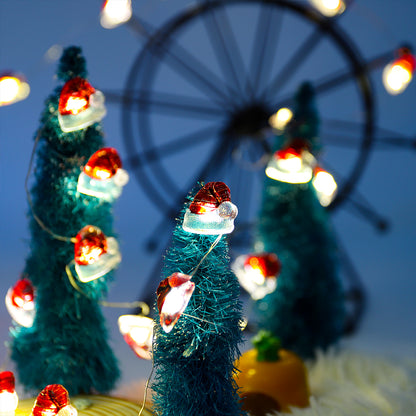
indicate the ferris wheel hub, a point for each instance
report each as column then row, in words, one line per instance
column 248, row 121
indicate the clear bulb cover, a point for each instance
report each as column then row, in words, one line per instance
column 94, row 113
column 105, row 262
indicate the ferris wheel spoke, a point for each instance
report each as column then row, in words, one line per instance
column 226, row 49
column 402, row 142
column 351, row 125
column 244, row 192
column 192, row 70
column 146, row 184
column 234, row 49
column 338, row 140
column 338, row 78
column 298, row 58
column 359, row 206
column 163, row 227
column 355, row 294
column 389, row 139
column 213, row 162
column 382, row 143
column 267, row 36
column 176, row 145
column 243, row 185
column 329, row 83
column 362, row 209
column 171, row 103
column 142, row 28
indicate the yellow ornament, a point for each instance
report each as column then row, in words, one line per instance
column 273, row 372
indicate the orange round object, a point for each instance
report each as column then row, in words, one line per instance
column 284, row 380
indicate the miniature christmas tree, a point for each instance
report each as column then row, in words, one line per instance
column 306, row 311
column 67, row 343
column 194, row 359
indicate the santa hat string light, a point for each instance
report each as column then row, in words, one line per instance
column 173, row 295
column 13, row 88
column 257, row 273
column 94, row 253
column 211, row 211
column 137, row 331
column 325, row 186
column 103, row 176
column 292, row 164
column 80, row 105
column 8, row 396
column 398, row 74
column 20, row 302
column 329, row 8
column 53, row 400
column 281, row 118
column 115, row 12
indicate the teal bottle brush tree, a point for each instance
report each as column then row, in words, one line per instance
column 306, row 311
column 61, row 338
column 197, row 338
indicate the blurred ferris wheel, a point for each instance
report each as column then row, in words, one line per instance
column 201, row 98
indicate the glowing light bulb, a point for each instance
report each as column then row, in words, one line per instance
column 115, row 13
column 173, row 295
column 8, row 396
column 80, row 105
column 289, row 160
column 291, row 165
column 137, row 331
column 20, row 302
column 398, row 74
column 211, row 211
column 280, row 119
column 325, row 186
column 329, row 8
column 13, row 88
column 53, row 400
column 75, row 105
column 95, row 255
column 90, row 244
column 257, row 273
column 103, row 176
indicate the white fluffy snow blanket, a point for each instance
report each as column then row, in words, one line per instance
column 351, row 384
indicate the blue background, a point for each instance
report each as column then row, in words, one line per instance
column 386, row 262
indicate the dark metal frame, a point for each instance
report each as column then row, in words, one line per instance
column 238, row 100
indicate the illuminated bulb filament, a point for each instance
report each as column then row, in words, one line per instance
column 76, row 104
column 288, row 165
column 329, row 8
column 90, row 255
column 325, row 186
column 9, row 88
column 291, row 163
column 137, row 332
column 280, row 119
column 396, row 78
column 12, row 89
column 115, row 13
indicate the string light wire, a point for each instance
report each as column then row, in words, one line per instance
column 29, row 197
